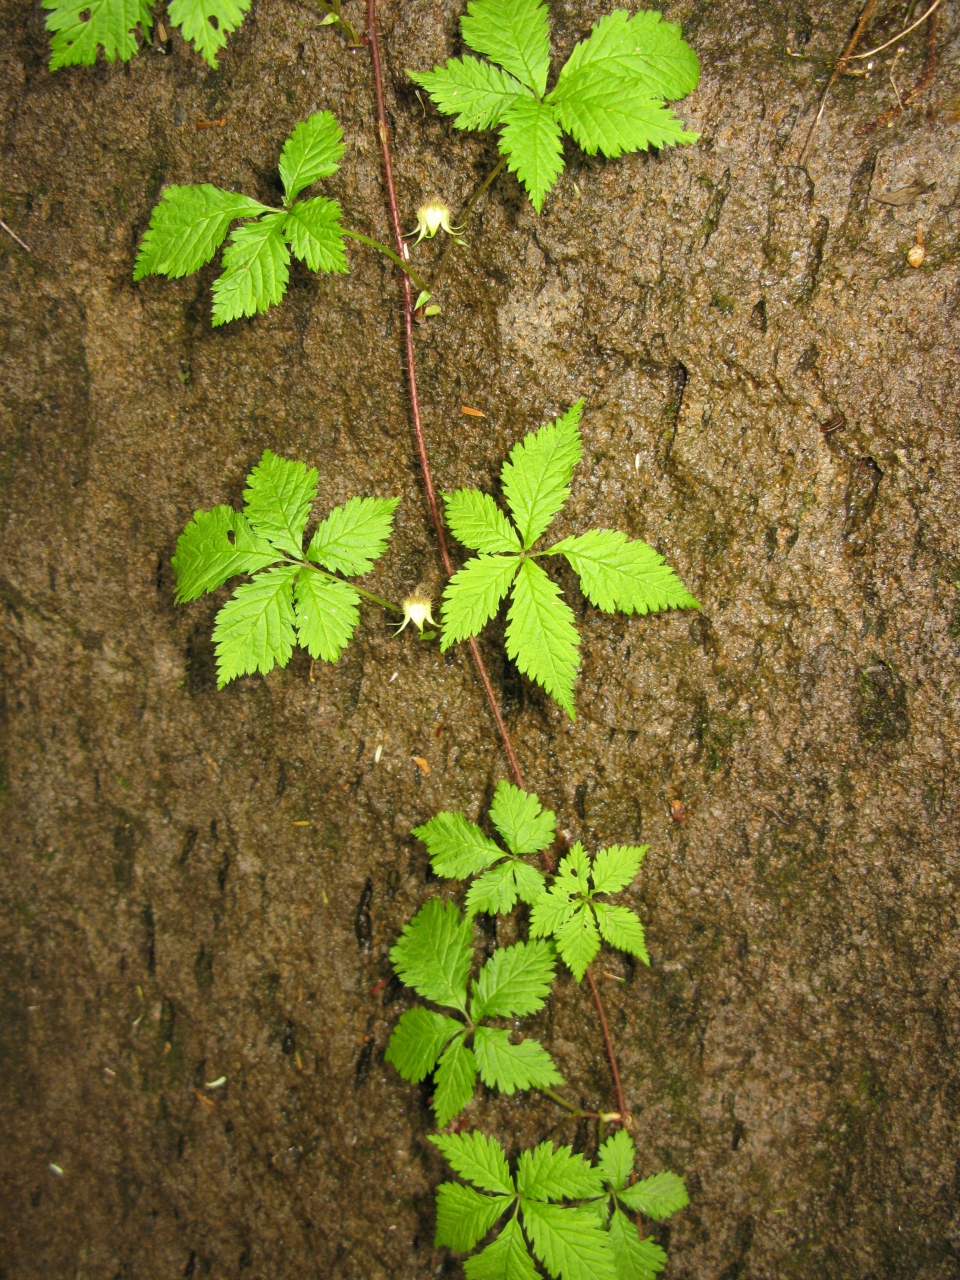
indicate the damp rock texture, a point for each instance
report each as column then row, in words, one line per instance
column 197, row 885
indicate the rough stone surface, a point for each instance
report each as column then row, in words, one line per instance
column 793, row 1048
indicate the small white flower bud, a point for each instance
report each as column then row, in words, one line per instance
column 417, row 609
column 432, row 217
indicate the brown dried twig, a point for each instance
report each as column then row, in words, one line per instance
column 838, row 71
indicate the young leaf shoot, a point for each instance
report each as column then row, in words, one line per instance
column 459, row 849
column 189, row 224
column 658, row 1197
column 571, row 914
column 434, row 955
column 615, row 573
column 292, row 596
column 610, row 95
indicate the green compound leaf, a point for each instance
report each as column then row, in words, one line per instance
column 496, row 891
column 457, row 848
column 256, row 270
column 622, row 929
column 578, row 941
column 509, row 1067
column 473, row 596
column 570, row 1243
column 80, row 27
column 611, row 115
column 205, row 557
column 525, row 825
column 541, row 637
column 314, row 150
column 474, row 92
column 657, row 1197
column 515, row 33
column 254, row 629
column 536, row 478
column 505, row 1259
column 313, row 230
column 515, row 980
column 433, row 954
column 187, row 227
column 353, row 536
column 418, row 1040
column 614, row 868
column 454, row 1081
column 531, row 141
column 617, row 574
column 476, row 521
column 635, row 1259
column 615, row 1159
column 464, row 1216
column 643, row 51
column 207, row 23
column 548, row 1174
column 278, row 498
column 328, row 612
column 478, row 1158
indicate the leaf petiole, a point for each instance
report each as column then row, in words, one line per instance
column 361, row 591
column 394, row 257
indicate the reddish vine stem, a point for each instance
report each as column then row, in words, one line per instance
column 408, row 301
column 611, row 1056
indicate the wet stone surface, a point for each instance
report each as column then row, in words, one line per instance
column 793, row 1048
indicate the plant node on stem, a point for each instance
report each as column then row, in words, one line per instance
column 408, row 309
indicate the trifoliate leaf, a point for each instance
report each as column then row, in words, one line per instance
column 505, row 1259
column 475, row 92
column 464, row 1216
column 433, row 954
column 478, row 1158
column 525, row 825
column 476, row 521
column 314, row 150
column 187, row 227
column 418, row 1040
column 569, row 1242
column 642, row 50
column 313, row 229
column 612, row 115
column 254, row 629
column 80, row 27
column 530, row 140
column 622, row 929
column 515, row 33
column 509, row 1067
column 614, row 868
column 457, row 848
column 536, row 478
column 495, row 892
column 205, row 557
column 540, row 637
column 617, row 574
column 515, row 980
column 473, row 596
column 550, row 911
column 657, row 1197
column 548, row 1174
column 615, row 1159
column 454, row 1081
column 278, row 498
column 635, row 1259
column 207, row 23
column 578, row 941
column 327, row 614
column 256, row 262
column 353, row 536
